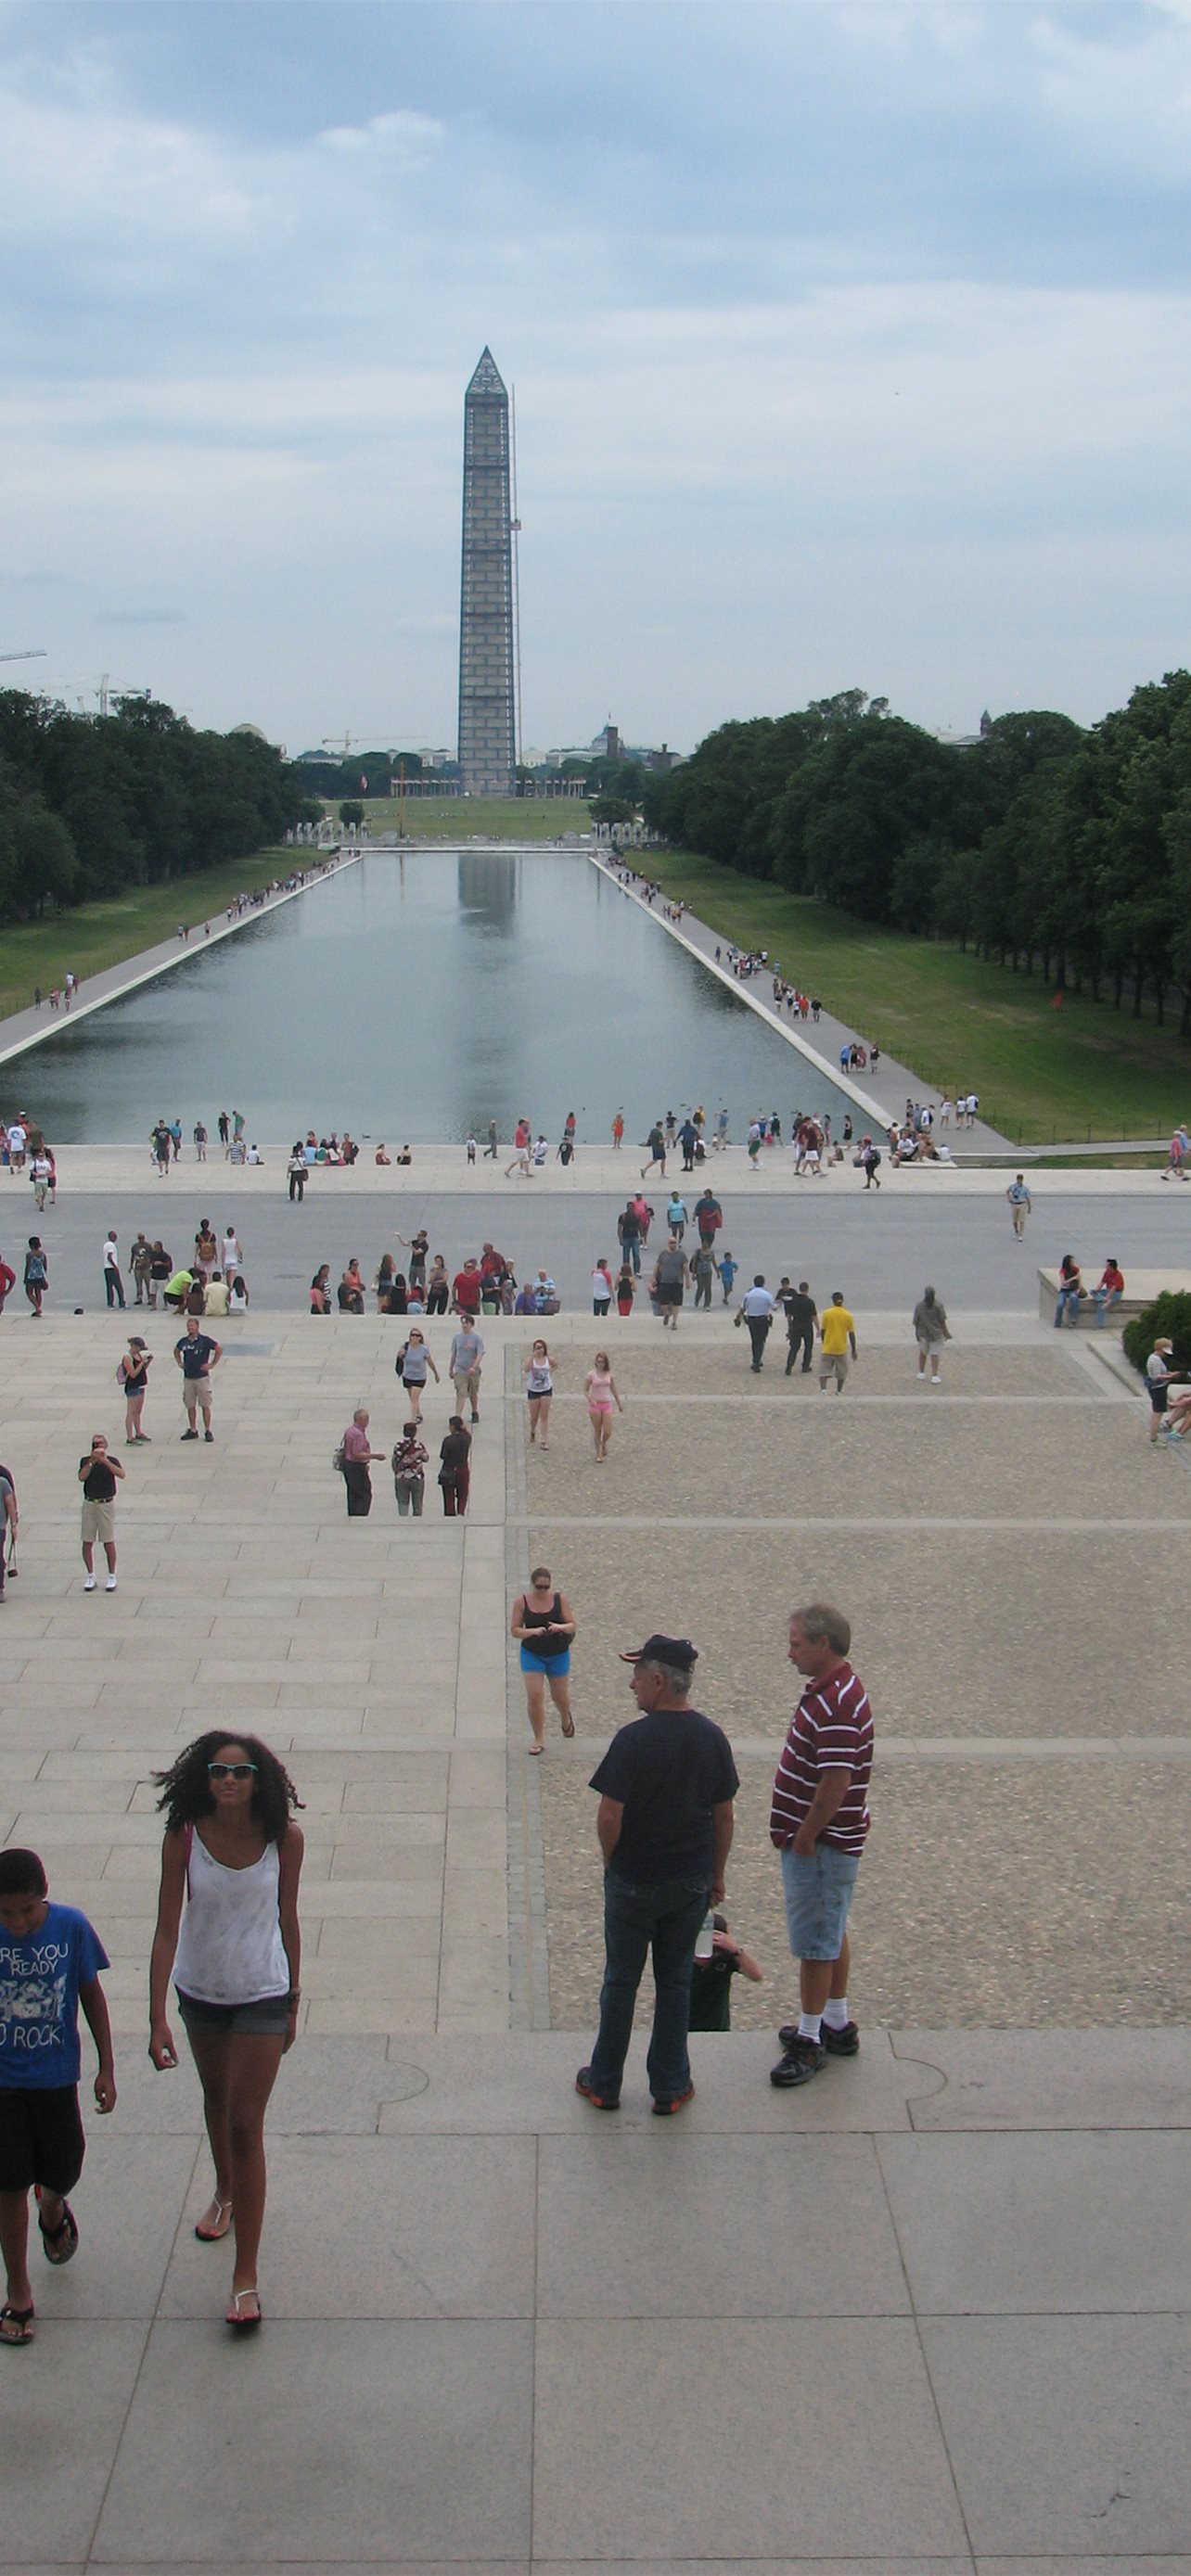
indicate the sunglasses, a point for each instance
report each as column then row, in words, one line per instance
column 230, row 1770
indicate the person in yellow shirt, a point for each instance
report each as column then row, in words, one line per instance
column 837, row 1337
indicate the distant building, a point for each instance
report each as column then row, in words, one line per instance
column 487, row 671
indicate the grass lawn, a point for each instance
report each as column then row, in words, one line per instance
column 97, row 935
column 1043, row 1075
column 457, row 818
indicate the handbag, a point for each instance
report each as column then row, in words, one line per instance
column 13, row 1567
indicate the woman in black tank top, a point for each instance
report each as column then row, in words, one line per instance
column 544, row 1624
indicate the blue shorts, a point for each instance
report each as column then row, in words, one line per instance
column 818, row 1894
column 554, row 1666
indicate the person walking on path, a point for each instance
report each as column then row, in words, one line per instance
column 37, row 1275
column 1020, row 1204
column 51, row 1960
column 135, row 1365
column 931, row 1330
column 112, row 1280
column 454, row 1472
column 703, row 1269
column 818, row 1822
column 10, row 1521
column 599, row 1387
column 413, row 1365
column 666, row 1786
column 99, row 1475
column 465, row 1365
column 757, row 1309
column 409, row 1463
column 601, row 1290
column 618, row 1131
column 543, row 1624
column 232, row 1256
column 538, row 1372
column 491, row 1148
column 227, row 1928
column 357, row 1455
column 669, row 1283
column 296, row 1173
column 656, row 1144
column 625, row 1289
column 709, row 1217
column 802, row 1315
column 196, row 1355
column 870, row 1164
column 628, row 1232
column 837, row 1342
column 676, row 1215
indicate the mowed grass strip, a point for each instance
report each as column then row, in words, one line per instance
column 1043, row 1075
column 95, row 936
column 463, row 818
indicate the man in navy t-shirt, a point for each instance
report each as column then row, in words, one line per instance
column 196, row 1355
column 50, row 1962
column 666, row 1786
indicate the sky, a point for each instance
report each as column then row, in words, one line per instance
column 850, row 342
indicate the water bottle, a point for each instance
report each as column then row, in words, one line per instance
column 705, row 1938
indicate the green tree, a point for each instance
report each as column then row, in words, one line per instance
column 351, row 812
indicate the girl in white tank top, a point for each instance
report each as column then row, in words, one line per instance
column 227, row 1925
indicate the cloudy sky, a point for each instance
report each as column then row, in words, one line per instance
column 850, row 346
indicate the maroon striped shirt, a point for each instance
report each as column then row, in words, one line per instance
column 831, row 1730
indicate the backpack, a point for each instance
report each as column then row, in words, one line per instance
column 121, row 1372
column 339, row 1457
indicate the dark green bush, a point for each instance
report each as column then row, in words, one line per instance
column 1169, row 1314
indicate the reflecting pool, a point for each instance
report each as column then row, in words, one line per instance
column 414, row 998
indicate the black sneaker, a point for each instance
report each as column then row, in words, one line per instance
column 585, row 2085
column 802, row 2059
column 665, row 2110
column 190, row 1435
column 838, row 2043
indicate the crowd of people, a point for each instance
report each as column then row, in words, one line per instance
column 228, row 1930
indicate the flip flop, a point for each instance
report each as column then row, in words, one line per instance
column 22, row 2317
column 215, row 2235
column 52, row 2236
column 568, row 1730
column 239, row 2323
column 536, row 1748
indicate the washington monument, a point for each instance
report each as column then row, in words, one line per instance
column 487, row 705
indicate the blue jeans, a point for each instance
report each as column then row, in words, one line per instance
column 1102, row 1299
column 1067, row 1297
column 668, row 1916
column 631, row 1247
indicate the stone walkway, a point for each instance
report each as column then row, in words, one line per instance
column 950, row 2279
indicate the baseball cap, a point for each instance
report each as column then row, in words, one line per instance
column 663, row 1650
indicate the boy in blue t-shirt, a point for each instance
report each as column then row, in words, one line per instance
column 50, row 1959
column 727, row 1269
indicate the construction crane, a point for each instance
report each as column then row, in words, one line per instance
column 338, row 742
column 37, row 655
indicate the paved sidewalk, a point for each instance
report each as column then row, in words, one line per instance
column 928, row 2314
column 881, row 1095
column 935, row 2307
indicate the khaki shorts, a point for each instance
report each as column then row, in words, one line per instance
column 833, row 1364
column 99, row 1521
column 195, row 1391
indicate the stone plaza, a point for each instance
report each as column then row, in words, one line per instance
column 935, row 2303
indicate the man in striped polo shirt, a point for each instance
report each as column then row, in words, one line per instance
column 818, row 1820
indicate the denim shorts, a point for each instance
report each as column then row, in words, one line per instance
column 267, row 2018
column 818, row 1894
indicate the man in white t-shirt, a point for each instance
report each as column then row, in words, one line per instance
column 111, row 1269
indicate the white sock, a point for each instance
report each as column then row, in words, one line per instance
column 808, row 2025
column 835, row 2012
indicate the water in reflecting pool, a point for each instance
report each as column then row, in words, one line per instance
column 416, row 998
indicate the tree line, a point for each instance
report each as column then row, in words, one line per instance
column 90, row 805
column 1052, row 848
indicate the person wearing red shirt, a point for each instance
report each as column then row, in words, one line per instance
column 819, row 1821
column 467, row 1288
column 1110, row 1288
column 8, row 1279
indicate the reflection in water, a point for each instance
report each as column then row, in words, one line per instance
column 416, row 997
column 488, row 888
